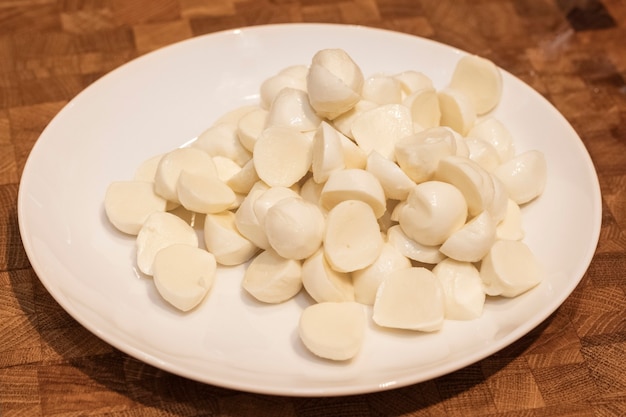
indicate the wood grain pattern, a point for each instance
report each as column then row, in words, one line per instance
column 571, row 51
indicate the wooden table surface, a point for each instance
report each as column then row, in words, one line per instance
column 571, row 51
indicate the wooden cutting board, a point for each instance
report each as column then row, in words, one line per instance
column 571, row 51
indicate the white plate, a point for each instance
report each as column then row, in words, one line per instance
column 160, row 100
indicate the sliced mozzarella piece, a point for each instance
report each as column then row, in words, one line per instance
column 470, row 178
column 259, row 185
column 224, row 241
column 524, row 176
column 268, row 198
column 411, row 81
column 483, row 153
column 498, row 206
column 294, row 228
column 192, row 160
column 297, row 72
column 434, row 211
column 323, row 283
column 243, row 180
column 367, row 280
column 343, row 122
column 223, row 140
column 412, row 249
column 274, row 84
column 354, row 184
column 203, row 194
column 160, row 230
column 247, row 222
column 250, row 127
column 238, row 200
column 271, row 278
column 332, row 330
column 233, row 116
column 282, row 156
column 510, row 228
column 226, row 168
column 380, row 128
column 291, row 108
column 462, row 149
column 424, row 106
column 418, row 154
column 410, row 298
column 496, row 133
column 311, row 191
column 480, row 80
column 395, row 211
column 184, row 274
column 462, row 288
column 327, row 152
column 472, row 241
column 128, row 204
column 352, row 239
column 334, row 82
column 382, row 89
column 457, row 111
column 509, row 269
column 395, row 182
column 353, row 155
column 147, row 169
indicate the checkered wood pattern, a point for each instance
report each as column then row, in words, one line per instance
column 571, row 51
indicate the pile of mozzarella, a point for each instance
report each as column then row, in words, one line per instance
column 379, row 195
